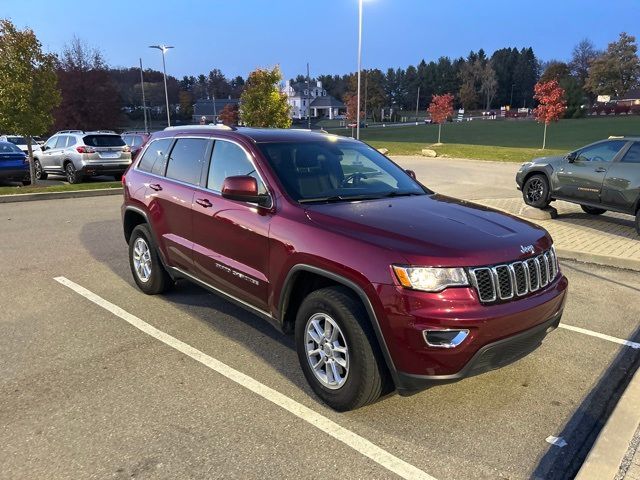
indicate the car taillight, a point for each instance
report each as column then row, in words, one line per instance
column 124, row 180
column 126, row 148
column 82, row 149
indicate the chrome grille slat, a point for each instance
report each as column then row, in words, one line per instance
column 516, row 279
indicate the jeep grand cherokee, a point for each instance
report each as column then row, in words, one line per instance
column 383, row 283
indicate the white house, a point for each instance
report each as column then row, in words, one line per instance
column 312, row 99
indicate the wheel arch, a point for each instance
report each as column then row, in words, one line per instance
column 131, row 219
column 302, row 279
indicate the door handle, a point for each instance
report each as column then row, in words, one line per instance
column 601, row 169
column 155, row 186
column 204, row 202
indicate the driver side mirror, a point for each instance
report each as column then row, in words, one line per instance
column 243, row 188
column 412, row 174
column 572, row 157
column 44, row 148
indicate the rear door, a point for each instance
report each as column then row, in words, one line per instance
column 621, row 189
column 582, row 179
column 171, row 190
column 231, row 238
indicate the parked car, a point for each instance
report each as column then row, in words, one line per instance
column 14, row 165
column 79, row 154
column 135, row 140
column 383, row 283
column 21, row 142
column 601, row 176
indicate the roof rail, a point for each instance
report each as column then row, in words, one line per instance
column 204, row 127
column 314, row 130
column 68, row 131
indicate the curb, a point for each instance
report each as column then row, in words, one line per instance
column 29, row 197
column 607, row 454
column 597, row 259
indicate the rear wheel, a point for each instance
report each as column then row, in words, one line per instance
column 638, row 221
column 592, row 210
column 337, row 350
column 26, row 182
column 535, row 191
column 40, row 173
column 73, row 176
column 146, row 267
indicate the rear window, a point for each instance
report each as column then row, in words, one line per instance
column 6, row 147
column 633, row 154
column 17, row 140
column 104, row 141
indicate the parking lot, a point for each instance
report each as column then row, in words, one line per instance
column 102, row 381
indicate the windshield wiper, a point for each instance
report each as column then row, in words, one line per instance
column 339, row 198
column 400, row 194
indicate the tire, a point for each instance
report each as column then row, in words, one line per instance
column 535, row 191
column 638, row 221
column 26, row 183
column 363, row 380
column 592, row 210
column 73, row 176
column 155, row 279
column 118, row 177
column 40, row 173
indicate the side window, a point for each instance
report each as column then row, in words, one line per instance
column 71, row 141
column 229, row 160
column 127, row 139
column 154, row 159
column 185, row 160
column 602, row 152
column 136, row 141
column 633, row 154
column 62, row 141
column 51, row 143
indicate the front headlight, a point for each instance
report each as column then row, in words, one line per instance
column 525, row 165
column 430, row 279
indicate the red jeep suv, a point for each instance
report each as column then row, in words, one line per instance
column 383, row 283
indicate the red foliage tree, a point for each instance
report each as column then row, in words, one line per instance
column 551, row 104
column 440, row 109
column 351, row 101
column 229, row 114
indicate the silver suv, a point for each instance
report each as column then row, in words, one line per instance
column 79, row 154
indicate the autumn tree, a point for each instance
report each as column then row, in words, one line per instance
column 583, row 54
column 441, row 109
column 262, row 102
column 617, row 70
column 28, row 86
column 186, row 104
column 551, row 104
column 229, row 115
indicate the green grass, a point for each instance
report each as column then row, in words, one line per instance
column 58, row 188
column 521, row 139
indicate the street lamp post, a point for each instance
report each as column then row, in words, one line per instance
column 359, row 66
column 511, row 101
column 163, row 49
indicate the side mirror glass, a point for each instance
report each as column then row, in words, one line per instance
column 412, row 174
column 243, row 188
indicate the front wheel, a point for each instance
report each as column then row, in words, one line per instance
column 592, row 210
column 337, row 349
column 535, row 191
column 40, row 173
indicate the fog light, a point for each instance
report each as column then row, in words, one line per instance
column 445, row 338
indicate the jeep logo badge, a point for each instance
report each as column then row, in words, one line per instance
column 526, row 248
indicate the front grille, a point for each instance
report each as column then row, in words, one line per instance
column 504, row 282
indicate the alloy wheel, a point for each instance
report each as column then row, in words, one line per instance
column 142, row 259
column 535, row 190
column 327, row 351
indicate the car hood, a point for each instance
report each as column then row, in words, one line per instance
column 547, row 160
column 434, row 229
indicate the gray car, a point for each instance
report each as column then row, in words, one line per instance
column 77, row 155
column 599, row 177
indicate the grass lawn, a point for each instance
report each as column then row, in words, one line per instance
column 58, row 188
column 506, row 140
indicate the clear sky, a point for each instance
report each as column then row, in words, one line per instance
column 239, row 35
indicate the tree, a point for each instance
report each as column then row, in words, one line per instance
column 584, row 53
column 551, row 104
column 229, row 115
column 617, row 70
column 186, row 104
column 488, row 84
column 262, row 102
column 28, row 86
column 574, row 95
column 525, row 76
column 90, row 100
column 441, row 109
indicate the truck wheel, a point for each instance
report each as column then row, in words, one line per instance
column 592, row 210
column 535, row 191
column 337, row 350
column 146, row 267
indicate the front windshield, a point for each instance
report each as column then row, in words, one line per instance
column 340, row 170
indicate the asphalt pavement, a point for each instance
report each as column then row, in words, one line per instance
column 85, row 394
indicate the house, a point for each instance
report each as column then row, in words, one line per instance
column 312, row 99
column 629, row 99
column 211, row 109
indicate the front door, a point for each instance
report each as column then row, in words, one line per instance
column 231, row 238
column 50, row 152
column 583, row 177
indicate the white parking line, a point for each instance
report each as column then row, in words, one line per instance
column 602, row 336
column 349, row 438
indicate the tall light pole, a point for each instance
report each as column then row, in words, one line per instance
column 144, row 102
column 164, row 49
column 359, row 66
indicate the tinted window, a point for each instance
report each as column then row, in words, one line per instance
column 51, row 143
column 154, row 159
column 104, row 141
column 127, row 139
column 136, row 141
column 229, row 160
column 6, row 147
column 633, row 154
column 71, row 141
column 185, row 160
column 345, row 169
column 17, row 140
column 602, row 152
column 62, row 141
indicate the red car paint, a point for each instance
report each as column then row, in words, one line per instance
column 254, row 254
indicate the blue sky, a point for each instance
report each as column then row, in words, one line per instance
column 239, row 35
